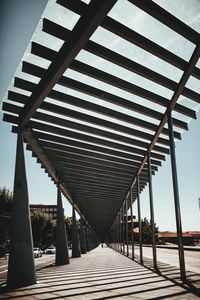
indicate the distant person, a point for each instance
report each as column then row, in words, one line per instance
column 102, row 245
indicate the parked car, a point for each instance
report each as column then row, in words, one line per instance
column 50, row 250
column 37, row 252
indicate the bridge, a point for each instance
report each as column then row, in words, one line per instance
column 100, row 103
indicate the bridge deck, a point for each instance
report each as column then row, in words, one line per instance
column 106, row 274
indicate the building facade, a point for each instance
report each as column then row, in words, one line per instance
column 51, row 210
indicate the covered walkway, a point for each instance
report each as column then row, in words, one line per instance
column 105, row 274
column 101, row 95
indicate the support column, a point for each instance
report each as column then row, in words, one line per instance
column 126, row 208
column 152, row 213
column 21, row 267
column 87, row 239
column 82, row 238
column 132, row 227
column 119, row 232
column 176, row 199
column 75, row 238
column 62, row 256
column 123, row 229
column 139, row 220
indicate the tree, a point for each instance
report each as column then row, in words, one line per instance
column 68, row 224
column 43, row 229
column 48, row 233
column 6, row 201
column 147, row 232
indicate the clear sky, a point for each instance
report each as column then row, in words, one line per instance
column 17, row 23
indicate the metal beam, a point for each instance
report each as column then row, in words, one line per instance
column 119, row 29
column 102, row 110
column 88, row 70
column 85, row 117
column 182, row 83
column 168, row 19
column 122, row 61
column 87, row 24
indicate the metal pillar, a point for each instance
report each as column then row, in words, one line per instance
column 123, row 229
column 127, row 249
column 132, row 227
column 62, row 256
column 176, row 199
column 119, row 232
column 75, row 238
column 152, row 213
column 82, row 238
column 87, row 239
column 90, row 238
column 21, row 267
column 139, row 220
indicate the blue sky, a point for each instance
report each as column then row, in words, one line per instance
column 18, row 21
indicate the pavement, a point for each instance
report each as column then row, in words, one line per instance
column 105, row 274
column 170, row 256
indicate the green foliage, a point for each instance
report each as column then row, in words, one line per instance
column 43, row 228
column 147, row 232
column 68, row 224
column 48, row 233
column 6, row 201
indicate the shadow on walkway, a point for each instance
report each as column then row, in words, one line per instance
column 106, row 274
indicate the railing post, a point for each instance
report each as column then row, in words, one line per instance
column 139, row 220
column 152, row 213
column 176, row 199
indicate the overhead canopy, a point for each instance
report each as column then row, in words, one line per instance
column 93, row 92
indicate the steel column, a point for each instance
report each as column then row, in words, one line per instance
column 21, row 267
column 126, row 207
column 176, row 199
column 132, row 227
column 139, row 220
column 123, row 229
column 82, row 238
column 152, row 213
column 62, row 256
column 87, row 239
column 75, row 238
column 119, row 232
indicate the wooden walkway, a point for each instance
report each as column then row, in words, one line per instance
column 106, row 274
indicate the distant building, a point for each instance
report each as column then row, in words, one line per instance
column 51, row 210
column 196, row 236
column 171, row 237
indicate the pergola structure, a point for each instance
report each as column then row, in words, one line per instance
column 99, row 98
